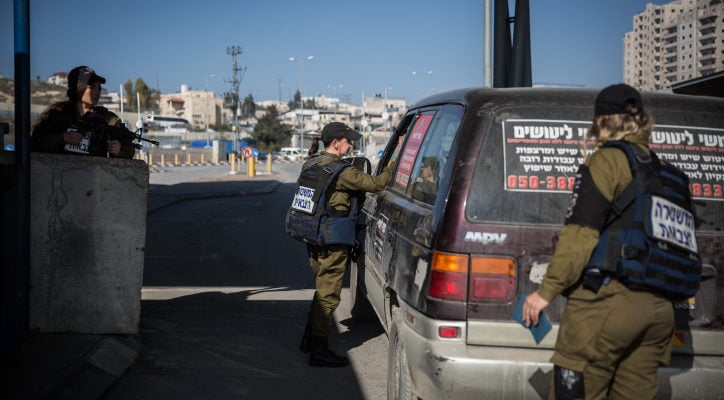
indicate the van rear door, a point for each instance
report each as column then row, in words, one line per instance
column 527, row 163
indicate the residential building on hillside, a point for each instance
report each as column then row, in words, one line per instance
column 674, row 42
column 200, row 107
column 59, row 78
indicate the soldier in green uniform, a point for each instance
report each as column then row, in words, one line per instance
column 54, row 132
column 610, row 342
column 330, row 261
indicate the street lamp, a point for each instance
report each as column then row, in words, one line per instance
column 206, row 96
column 419, row 80
column 386, row 113
column 301, row 95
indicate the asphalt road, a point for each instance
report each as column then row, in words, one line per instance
column 225, row 299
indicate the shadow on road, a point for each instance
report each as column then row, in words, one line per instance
column 225, row 304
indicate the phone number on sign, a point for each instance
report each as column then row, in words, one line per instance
column 546, row 183
column 706, row 190
column 532, row 182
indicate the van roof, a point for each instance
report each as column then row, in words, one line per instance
column 492, row 98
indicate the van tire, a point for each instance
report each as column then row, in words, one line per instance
column 399, row 381
column 360, row 307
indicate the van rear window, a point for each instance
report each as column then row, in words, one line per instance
column 528, row 160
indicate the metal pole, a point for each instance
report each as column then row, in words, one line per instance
column 487, row 45
column 15, row 202
column 301, row 96
column 121, row 100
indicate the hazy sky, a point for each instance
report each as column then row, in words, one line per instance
column 358, row 47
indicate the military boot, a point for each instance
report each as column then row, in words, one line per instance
column 323, row 356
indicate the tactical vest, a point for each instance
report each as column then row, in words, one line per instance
column 648, row 241
column 310, row 219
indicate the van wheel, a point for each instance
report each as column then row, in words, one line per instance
column 360, row 307
column 399, row 382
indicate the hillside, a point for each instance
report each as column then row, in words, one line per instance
column 41, row 93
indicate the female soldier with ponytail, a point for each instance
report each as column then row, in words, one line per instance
column 330, row 260
column 612, row 337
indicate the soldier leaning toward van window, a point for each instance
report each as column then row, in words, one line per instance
column 330, row 261
column 611, row 341
column 57, row 131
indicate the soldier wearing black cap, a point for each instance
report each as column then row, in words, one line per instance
column 612, row 339
column 329, row 262
column 56, row 131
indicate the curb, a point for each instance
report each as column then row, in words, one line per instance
column 98, row 369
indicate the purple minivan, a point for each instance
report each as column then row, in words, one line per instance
column 469, row 223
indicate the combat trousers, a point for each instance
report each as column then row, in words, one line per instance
column 617, row 338
column 328, row 264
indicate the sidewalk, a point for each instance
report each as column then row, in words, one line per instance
column 83, row 366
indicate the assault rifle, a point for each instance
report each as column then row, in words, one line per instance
column 101, row 131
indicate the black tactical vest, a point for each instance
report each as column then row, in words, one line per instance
column 649, row 240
column 310, row 219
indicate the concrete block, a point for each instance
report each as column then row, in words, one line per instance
column 88, row 233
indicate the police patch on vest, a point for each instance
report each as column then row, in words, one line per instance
column 303, row 200
column 671, row 223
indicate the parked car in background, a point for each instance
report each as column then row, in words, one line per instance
column 469, row 223
column 292, row 153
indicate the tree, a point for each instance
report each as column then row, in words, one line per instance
column 248, row 108
column 297, row 102
column 269, row 131
column 149, row 98
column 128, row 89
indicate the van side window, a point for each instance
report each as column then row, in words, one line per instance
column 426, row 152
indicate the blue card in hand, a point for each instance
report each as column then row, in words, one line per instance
column 538, row 331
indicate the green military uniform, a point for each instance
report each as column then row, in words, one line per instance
column 329, row 262
column 617, row 338
column 47, row 136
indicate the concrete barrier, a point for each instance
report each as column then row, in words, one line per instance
column 88, row 234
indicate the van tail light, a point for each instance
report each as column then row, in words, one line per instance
column 492, row 279
column 449, row 276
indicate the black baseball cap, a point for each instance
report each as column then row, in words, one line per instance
column 81, row 77
column 618, row 99
column 338, row 130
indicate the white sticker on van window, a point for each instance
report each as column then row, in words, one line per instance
column 672, row 224
column 537, row 272
column 486, row 237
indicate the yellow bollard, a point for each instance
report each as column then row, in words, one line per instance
column 268, row 163
column 188, row 158
column 150, row 159
column 175, row 159
column 202, row 158
column 163, row 160
column 232, row 159
column 251, row 166
column 216, row 159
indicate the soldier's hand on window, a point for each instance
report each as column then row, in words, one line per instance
column 114, row 147
column 72, row 136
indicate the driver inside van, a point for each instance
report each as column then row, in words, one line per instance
column 426, row 184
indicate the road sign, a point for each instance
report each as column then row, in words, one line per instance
column 247, row 151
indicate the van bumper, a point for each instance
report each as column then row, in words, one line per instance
column 454, row 369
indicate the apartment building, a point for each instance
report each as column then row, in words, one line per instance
column 200, row 107
column 674, row 42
